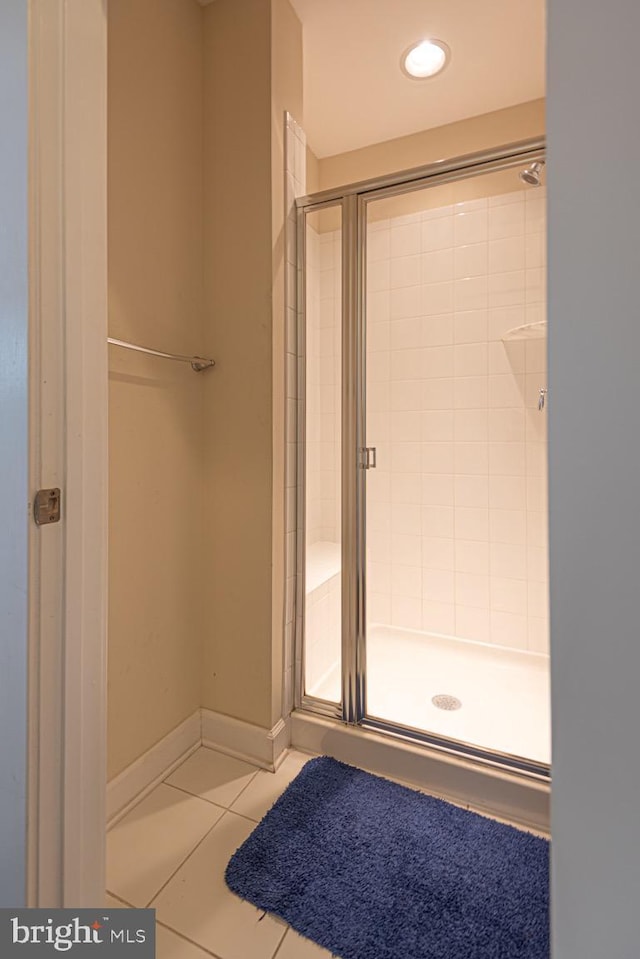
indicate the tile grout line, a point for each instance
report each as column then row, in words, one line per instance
column 120, row 899
column 187, row 792
column 192, row 942
column 188, row 856
column 217, row 805
column 246, row 786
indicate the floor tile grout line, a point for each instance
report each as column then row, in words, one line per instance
column 186, row 939
column 257, row 770
column 197, row 796
column 244, row 788
column 188, row 856
column 123, row 901
column 217, row 805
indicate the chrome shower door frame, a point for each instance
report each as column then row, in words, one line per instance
column 353, row 201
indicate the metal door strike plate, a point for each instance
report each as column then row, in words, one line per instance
column 46, row 506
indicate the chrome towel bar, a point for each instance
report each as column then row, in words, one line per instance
column 198, row 363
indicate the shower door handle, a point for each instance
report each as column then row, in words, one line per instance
column 369, row 458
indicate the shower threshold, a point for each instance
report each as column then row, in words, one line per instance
column 490, row 789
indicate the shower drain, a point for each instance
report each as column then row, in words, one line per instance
column 444, row 701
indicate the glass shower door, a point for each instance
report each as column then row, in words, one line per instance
column 456, row 619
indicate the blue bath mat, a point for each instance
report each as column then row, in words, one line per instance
column 372, row 870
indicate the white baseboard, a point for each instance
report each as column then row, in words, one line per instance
column 514, row 799
column 261, row 747
column 254, row 744
column 143, row 775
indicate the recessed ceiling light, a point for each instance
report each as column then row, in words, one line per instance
column 425, row 59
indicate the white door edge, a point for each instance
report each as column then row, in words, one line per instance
column 68, row 448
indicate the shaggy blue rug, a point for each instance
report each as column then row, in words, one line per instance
column 372, row 870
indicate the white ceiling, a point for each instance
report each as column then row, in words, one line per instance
column 355, row 93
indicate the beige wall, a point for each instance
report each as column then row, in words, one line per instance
column 244, row 290
column 155, row 184
column 286, row 95
column 466, row 136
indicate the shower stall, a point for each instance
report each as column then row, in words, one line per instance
column 422, row 583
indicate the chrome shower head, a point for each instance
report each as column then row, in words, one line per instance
column 533, row 173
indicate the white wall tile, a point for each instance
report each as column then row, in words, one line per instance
column 407, row 395
column 508, row 492
column 470, row 227
column 538, row 635
column 438, row 585
column 472, row 491
column 405, row 426
column 378, row 245
column 507, row 254
column 437, row 426
column 437, row 553
column 470, row 392
column 472, row 590
column 405, row 239
column 437, row 330
column 473, row 622
column 507, row 425
column 406, row 488
column 437, row 458
column 470, row 260
column 471, row 556
column 508, row 560
column 471, row 523
column 379, row 336
column 471, row 294
column 406, row 612
column 508, row 526
column 507, row 289
column 437, row 490
column 406, row 581
column 437, row 298
column 507, row 459
column 470, row 326
column 438, row 617
column 378, row 276
column 437, row 234
column 405, row 271
column 406, row 333
column 438, row 521
column 506, row 391
column 508, row 629
column 470, row 426
column 506, row 220
column 509, row 595
column 437, row 266
column 470, row 359
column 471, row 458
column 406, row 301
column 437, row 394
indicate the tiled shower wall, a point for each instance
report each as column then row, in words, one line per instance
column 457, row 510
column 323, row 361
column 323, row 462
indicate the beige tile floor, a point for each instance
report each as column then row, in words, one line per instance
column 171, row 850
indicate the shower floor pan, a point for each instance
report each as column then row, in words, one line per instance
column 504, row 694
